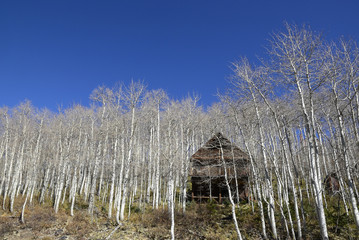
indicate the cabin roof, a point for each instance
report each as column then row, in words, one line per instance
column 207, row 161
column 210, row 152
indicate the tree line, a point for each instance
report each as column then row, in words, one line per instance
column 295, row 114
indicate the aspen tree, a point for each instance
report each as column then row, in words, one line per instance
column 246, row 139
column 246, row 74
column 133, row 97
column 338, row 83
column 297, row 52
column 113, row 177
column 32, row 176
column 223, row 161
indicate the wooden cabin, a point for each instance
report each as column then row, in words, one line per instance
column 331, row 183
column 207, row 170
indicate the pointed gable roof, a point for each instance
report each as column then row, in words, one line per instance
column 210, row 152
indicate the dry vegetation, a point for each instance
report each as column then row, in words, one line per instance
column 201, row 221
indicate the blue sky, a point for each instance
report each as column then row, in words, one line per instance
column 56, row 52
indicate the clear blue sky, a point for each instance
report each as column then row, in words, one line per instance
column 56, row 52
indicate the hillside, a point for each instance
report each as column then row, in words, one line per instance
column 201, row 221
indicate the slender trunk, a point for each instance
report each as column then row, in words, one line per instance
column 347, row 168
column 314, row 163
column 119, row 198
column 171, row 203
column 157, row 187
column 230, row 192
column 268, row 182
column 128, row 167
column 256, row 181
column 109, row 215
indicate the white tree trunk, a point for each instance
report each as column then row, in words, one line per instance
column 230, row 193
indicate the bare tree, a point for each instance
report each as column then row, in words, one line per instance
column 297, row 50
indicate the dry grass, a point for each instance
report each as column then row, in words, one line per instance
column 80, row 225
column 7, row 225
column 201, row 221
column 38, row 218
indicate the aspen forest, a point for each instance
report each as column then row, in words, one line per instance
column 125, row 159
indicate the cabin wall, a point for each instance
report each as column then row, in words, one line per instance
column 213, row 186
